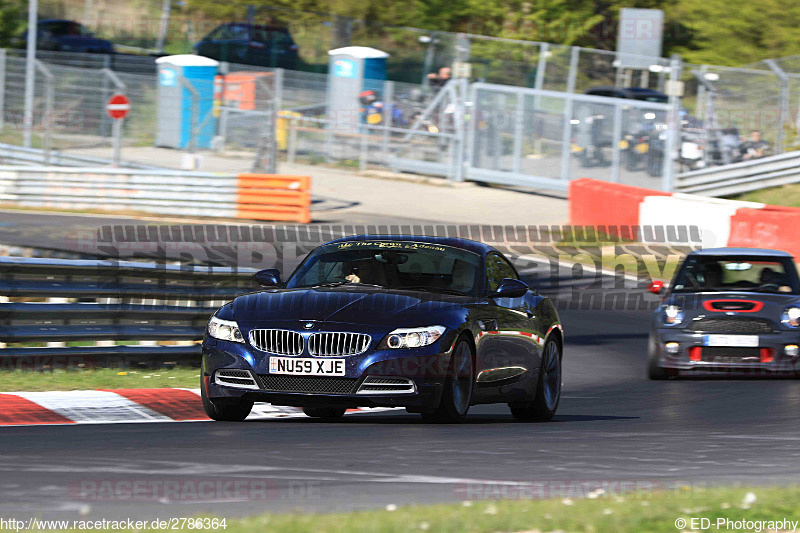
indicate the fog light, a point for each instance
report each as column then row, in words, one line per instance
column 791, row 350
column 672, row 347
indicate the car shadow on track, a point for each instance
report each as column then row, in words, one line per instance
column 404, row 418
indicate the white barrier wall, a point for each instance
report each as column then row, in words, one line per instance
column 711, row 215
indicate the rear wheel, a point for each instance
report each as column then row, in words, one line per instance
column 224, row 409
column 548, row 390
column 457, row 393
column 324, row 412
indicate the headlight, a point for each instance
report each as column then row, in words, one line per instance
column 413, row 337
column 791, row 317
column 673, row 315
column 224, row 330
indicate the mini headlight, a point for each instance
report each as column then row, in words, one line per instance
column 224, row 330
column 673, row 315
column 413, row 337
column 791, row 317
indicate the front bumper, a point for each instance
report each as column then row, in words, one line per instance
column 425, row 367
column 768, row 359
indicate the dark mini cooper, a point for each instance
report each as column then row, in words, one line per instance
column 431, row 324
column 735, row 310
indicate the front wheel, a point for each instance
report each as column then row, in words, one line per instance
column 224, row 409
column 324, row 412
column 654, row 369
column 457, row 393
column 548, row 390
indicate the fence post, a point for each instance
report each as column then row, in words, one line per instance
column 458, row 126
column 268, row 144
column 673, row 124
column 116, row 127
column 617, row 138
column 47, row 119
column 541, row 67
column 784, row 104
column 2, row 88
column 224, row 69
column 519, row 129
column 388, row 108
column 566, row 136
column 291, row 148
column 573, row 69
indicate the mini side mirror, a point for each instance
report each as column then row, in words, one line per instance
column 510, row 288
column 656, row 287
column 270, row 277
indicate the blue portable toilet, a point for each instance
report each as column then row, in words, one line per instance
column 184, row 80
column 351, row 70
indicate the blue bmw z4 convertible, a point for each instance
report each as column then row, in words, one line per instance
column 431, row 324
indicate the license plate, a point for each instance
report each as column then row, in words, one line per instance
column 295, row 366
column 738, row 341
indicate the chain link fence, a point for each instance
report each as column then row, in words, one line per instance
column 547, row 136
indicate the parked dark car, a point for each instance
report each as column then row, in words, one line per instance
column 66, row 36
column 731, row 310
column 250, row 44
column 431, row 324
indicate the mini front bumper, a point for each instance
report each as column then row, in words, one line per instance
column 425, row 367
column 777, row 362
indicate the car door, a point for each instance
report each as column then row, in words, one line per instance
column 507, row 346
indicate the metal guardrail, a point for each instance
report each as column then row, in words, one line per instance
column 742, row 177
column 13, row 154
column 59, row 302
column 162, row 191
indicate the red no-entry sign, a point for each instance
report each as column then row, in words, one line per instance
column 118, row 106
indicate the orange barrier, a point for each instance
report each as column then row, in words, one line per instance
column 601, row 203
column 274, row 197
column 771, row 227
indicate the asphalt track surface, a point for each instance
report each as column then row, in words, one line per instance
column 613, row 427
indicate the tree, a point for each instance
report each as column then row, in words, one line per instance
column 12, row 17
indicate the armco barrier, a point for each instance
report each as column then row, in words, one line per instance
column 102, row 303
column 169, row 192
column 722, row 222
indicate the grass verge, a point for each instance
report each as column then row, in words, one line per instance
column 786, row 195
column 638, row 511
column 101, row 378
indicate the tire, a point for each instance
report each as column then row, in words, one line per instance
column 654, row 369
column 548, row 388
column 224, row 409
column 457, row 393
column 327, row 413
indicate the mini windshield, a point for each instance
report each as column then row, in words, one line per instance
column 391, row 264
column 737, row 273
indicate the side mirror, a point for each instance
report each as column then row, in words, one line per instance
column 510, row 288
column 270, row 277
column 656, row 287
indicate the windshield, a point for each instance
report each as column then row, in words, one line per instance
column 391, row 264
column 739, row 273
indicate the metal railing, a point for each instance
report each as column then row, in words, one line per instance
column 162, row 191
column 742, row 177
column 57, row 313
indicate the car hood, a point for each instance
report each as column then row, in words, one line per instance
column 367, row 306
